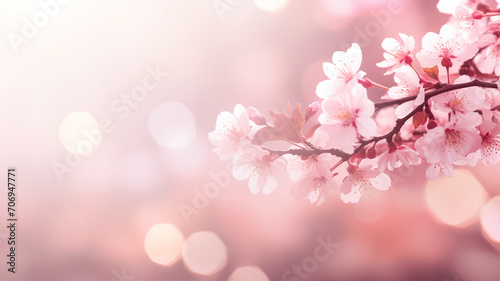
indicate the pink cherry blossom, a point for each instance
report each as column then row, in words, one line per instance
column 313, row 179
column 488, row 60
column 386, row 120
column 397, row 54
column 346, row 116
column 300, row 166
column 453, row 142
column 433, row 170
column 361, row 177
column 492, row 103
column 264, row 171
column 231, row 131
column 471, row 29
column 490, row 143
column 397, row 157
column 464, row 14
column 343, row 73
column 408, row 85
column 446, row 49
column 462, row 100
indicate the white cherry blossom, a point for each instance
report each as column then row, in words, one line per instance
column 343, row 73
column 397, row 157
column 461, row 100
column 446, row 49
column 346, row 116
column 488, row 60
column 360, row 178
column 490, row 143
column 231, row 131
column 408, row 85
column 264, row 172
column 397, row 54
column 453, row 142
column 468, row 25
column 432, row 171
column 312, row 177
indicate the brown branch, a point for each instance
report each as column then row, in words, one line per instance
column 445, row 88
column 399, row 123
column 310, row 152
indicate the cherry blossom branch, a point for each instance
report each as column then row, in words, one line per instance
column 349, row 122
column 313, row 151
column 399, row 123
column 442, row 89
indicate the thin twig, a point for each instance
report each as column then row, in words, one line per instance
column 399, row 123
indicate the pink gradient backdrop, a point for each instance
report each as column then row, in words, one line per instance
column 94, row 222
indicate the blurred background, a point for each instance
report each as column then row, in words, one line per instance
column 105, row 107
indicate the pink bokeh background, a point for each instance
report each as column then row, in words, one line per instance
column 92, row 220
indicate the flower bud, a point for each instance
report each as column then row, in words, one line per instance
column 257, row 117
column 362, row 153
column 432, row 124
column 477, row 15
column 446, row 62
column 408, row 59
column 351, row 169
column 311, row 110
column 371, row 153
column 365, row 83
column 398, row 139
column 392, row 147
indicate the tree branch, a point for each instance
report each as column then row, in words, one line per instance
column 399, row 123
column 445, row 88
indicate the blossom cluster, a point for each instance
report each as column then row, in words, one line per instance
column 442, row 111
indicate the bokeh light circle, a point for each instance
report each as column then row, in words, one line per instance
column 79, row 133
column 163, row 244
column 457, row 200
column 269, row 5
column 490, row 219
column 338, row 8
column 204, row 253
column 248, row 273
column 172, row 125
